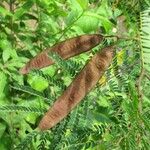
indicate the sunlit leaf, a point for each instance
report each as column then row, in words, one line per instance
column 38, row 83
column 83, row 3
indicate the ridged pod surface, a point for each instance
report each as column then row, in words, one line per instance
column 78, row 89
column 65, row 49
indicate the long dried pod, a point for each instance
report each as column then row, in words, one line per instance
column 65, row 49
column 78, row 89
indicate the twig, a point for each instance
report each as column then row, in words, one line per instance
column 141, row 76
column 68, row 27
column 121, row 37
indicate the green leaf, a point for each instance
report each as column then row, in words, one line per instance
column 91, row 21
column 67, row 80
column 3, row 83
column 117, row 12
column 76, row 11
column 31, row 118
column 88, row 23
column 2, row 129
column 6, row 55
column 104, row 10
column 38, row 83
column 103, row 20
column 23, row 9
column 99, row 117
column 4, row 11
column 6, row 47
column 83, row 3
column 5, row 142
column 72, row 16
column 13, row 54
column 102, row 101
column 50, row 70
column 74, row 4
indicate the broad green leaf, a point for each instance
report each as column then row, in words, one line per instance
column 72, row 16
column 75, row 7
column 6, row 55
column 91, row 21
column 50, row 70
column 4, row 11
column 102, row 101
column 14, row 54
column 104, row 10
column 76, row 11
column 6, row 47
column 31, row 118
column 3, row 82
column 83, row 3
column 37, row 83
column 103, row 20
column 88, row 23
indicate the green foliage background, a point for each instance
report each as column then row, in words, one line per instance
column 115, row 115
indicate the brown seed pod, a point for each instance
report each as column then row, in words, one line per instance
column 65, row 49
column 78, row 89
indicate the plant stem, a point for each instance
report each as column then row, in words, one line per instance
column 141, row 76
column 68, row 27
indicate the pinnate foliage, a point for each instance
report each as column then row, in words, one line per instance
column 114, row 115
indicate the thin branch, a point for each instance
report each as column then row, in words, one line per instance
column 122, row 38
column 141, row 75
column 68, row 27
